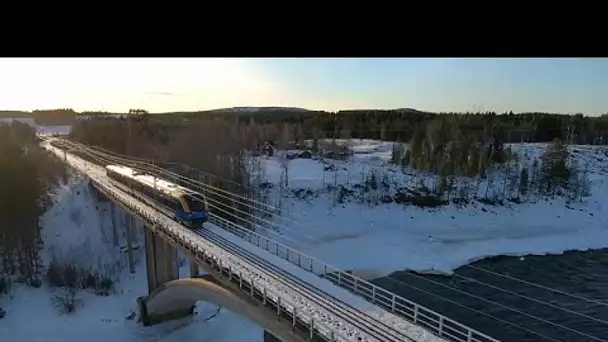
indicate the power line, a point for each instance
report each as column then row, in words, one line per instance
column 317, row 240
column 207, row 187
column 189, row 181
column 293, row 221
column 272, row 210
column 504, row 307
column 537, row 285
column 486, row 300
column 474, row 280
column 444, row 298
column 474, row 310
column 474, row 296
column 532, row 299
column 470, row 266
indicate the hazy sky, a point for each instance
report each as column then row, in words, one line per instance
column 551, row 85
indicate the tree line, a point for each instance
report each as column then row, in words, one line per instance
column 400, row 125
column 452, row 164
column 27, row 176
column 392, row 125
column 447, row 145
column 212, row 151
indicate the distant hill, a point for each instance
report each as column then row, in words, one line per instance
column 294, row 110
column 259, row 109
column 411, row 110
column 230, row 110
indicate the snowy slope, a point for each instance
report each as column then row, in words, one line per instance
column 86, row 238
column 376, row 240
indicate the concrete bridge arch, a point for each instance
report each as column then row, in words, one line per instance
column 178, row 298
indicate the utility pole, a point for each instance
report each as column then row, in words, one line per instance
column 128, row 147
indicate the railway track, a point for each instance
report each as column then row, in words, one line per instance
column 370, row 330
column 357, row 324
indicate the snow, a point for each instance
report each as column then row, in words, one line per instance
column 371, row 240
column 44, row 130
column 397, row 323
column 148, row 180
column 52, row 130
column 102, row 319
column 32, row 315
column 290, row 296
column 391, row 237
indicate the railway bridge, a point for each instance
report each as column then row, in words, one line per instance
column 293, row 296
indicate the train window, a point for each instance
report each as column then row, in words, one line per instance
column 167, row 202
column 173, row 204
column 194, row 204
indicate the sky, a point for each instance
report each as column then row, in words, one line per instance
column 435, row 84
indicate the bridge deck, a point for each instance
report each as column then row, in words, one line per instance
column 321, row 289
column 326, row 286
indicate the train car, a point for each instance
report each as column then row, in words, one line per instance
column 185, row 204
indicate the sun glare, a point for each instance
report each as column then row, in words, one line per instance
column 121, row 83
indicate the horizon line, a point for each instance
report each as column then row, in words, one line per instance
column 304, row 109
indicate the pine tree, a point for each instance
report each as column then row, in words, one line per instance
column 416, row 148
column 395, row 154
column 523, row 181
column 535, row 183
column 21, row 204
column 473, row 161
column 405, row 161
column 554, row 170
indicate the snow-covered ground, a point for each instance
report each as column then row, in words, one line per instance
column 309, row 307
column 41, row 129
column 77, row 228
column 376, row 240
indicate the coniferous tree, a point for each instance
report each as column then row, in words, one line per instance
column 26, row 177
column 523, row 181
column 554, row 170
column 416, row 148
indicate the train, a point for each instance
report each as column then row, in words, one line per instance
column 188, row 207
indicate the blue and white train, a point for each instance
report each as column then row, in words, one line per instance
column 188, row 207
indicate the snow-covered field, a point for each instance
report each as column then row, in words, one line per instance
column 375, row 240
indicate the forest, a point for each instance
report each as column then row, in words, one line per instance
column 400, row 125
column 455, row 158
column 29, row 178
column 28, row 175
column 391, row 125
column 212, row 151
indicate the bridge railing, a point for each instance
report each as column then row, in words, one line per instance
column 185, row 238
column 434, row 322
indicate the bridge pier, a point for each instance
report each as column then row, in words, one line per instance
column 194, row 271
column 161, row 261
column 161, row 267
